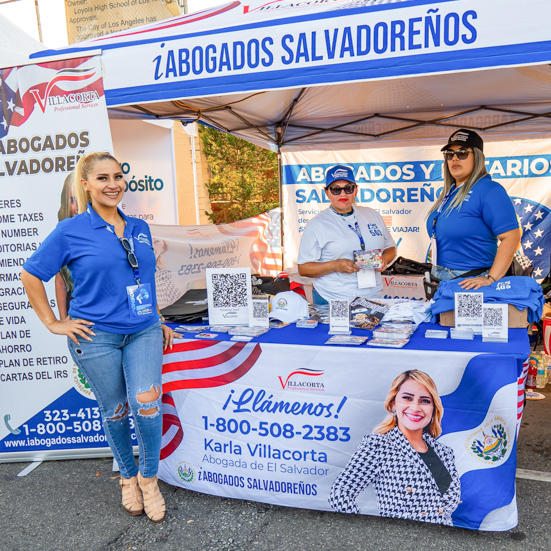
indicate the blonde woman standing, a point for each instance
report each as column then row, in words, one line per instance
column 470, row 217
column 113, row 327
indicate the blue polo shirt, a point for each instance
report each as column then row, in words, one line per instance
column 466, row 236
column 99, row 268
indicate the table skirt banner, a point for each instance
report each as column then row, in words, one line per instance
column 292, row 425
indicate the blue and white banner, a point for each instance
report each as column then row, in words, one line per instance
column 52, row 114
column 402, row 183
column 256, row 45
column 242, row 422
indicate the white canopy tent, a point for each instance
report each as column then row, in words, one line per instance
column 15, row 44
column 288, row 75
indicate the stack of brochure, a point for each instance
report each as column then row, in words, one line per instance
column 366, row 314
column 394, row 331
column 248, row 331
column 346, row 339
column 390, row 343
column 191, row 328
column 436, row 334
column 221, row 328
column 465, row 333
column 307, row 324
column 392, row 334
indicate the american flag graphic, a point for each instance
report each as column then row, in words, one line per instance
column 173, row 433
column 520, row 391
column 199, row 364
column 22, row 88
column 206, row 364
column 535, row 221
column 265, row 254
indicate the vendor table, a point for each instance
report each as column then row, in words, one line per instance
column 276, row 419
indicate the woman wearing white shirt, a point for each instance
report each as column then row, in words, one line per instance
column 329, row 240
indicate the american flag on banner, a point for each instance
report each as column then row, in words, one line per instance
column 199, row 364
column 173, row 433
column 11, row 105
column 23, row 88
column 265, row 254
column 206, row 364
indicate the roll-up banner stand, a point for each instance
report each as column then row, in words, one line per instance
column 402, row 183
column 52, row 113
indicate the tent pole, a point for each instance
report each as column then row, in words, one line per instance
column 280, row 177
column 195, row 186
column 38, row 20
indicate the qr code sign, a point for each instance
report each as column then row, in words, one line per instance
column 229, row 290
column 493, row 317
column 260, row 309
column 469, row 305
column 340, row 309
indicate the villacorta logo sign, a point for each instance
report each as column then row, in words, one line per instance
column 247, row 9
column 66, row 76
column 303, row 384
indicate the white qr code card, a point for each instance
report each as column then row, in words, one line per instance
column 468, row 311
column 495, row 322
column 339, row 317
column 229, row 294
column 259, row 311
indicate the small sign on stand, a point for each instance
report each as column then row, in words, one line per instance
column 468, row 311
column 495, row 322
column 259, row 312
column 339, row 317
column 229, row 294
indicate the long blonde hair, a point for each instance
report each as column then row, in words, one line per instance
column 435, row 426
column 82, row 171
column 63, row 213
column 479, row 171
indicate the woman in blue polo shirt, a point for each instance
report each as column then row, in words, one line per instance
column 470, row 216
column 113, row 328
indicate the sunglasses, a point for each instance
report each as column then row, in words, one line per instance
column 461, row 154
column 348, row 189
column 132, row 260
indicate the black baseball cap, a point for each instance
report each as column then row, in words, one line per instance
column 467, row 138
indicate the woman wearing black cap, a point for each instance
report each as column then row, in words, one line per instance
column 470, row 216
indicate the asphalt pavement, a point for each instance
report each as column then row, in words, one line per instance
column 75, row 505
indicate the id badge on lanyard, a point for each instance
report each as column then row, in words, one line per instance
column 433, row 259
column 140, row 300
column 140, row 296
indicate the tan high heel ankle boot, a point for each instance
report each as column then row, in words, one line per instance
column 132, row 499
column 153, row 500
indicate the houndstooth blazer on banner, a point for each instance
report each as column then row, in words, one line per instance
column 404, row 485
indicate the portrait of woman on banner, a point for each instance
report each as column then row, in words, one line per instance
column 414, row 476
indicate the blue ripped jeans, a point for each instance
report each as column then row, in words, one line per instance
column 119, row 368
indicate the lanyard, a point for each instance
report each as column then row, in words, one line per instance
column 439, row 210
column 128, row 246
column 355, row 228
